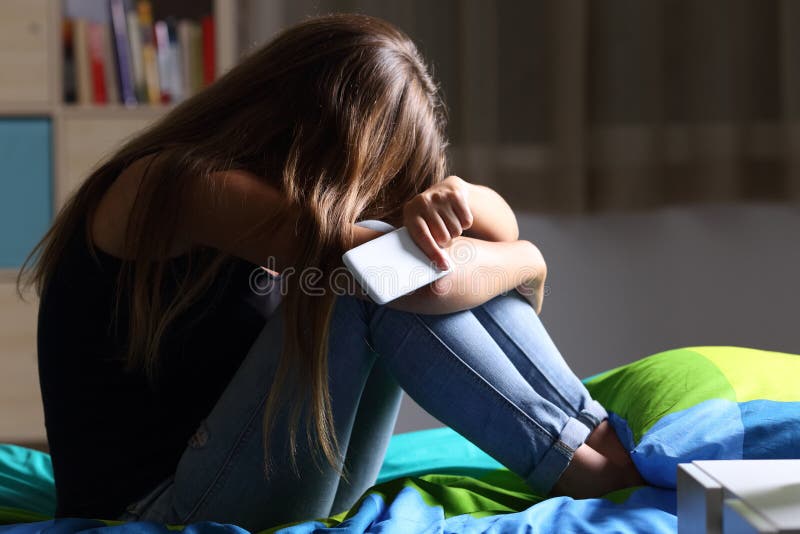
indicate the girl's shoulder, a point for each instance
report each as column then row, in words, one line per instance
column 109, row 222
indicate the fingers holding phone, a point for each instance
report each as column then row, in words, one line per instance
column 437, row 215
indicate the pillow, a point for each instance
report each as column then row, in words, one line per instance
column 703, row 403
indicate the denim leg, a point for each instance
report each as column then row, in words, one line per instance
column 220, row 476
column 453, row 367
column 450, row 364
column 372, row 431
column 514, row 325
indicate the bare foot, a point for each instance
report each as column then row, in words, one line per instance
column 604, row 440
column 591, row 474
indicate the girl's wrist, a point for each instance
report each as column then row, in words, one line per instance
column 493, row 219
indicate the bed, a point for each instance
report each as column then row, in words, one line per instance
column 669, row 408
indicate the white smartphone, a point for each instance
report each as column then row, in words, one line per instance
column 391, row 266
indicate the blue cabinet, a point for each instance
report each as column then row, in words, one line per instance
column 25, row 186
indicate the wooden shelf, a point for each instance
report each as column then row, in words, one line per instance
column 110, row 111
column 113, row 111
column 24, row 109
column 8, row 276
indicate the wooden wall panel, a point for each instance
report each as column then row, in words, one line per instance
column 25, row 33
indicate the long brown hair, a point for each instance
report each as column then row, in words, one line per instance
column 341, row 113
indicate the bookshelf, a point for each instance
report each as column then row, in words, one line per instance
column 47, row 147
column 84, row 133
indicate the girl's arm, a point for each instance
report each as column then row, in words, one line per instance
column 496, row 262
column 454, row 207
column 228, row 217
column 493, row 219
column 481, row 271
column 230, row 213
column 227, row 214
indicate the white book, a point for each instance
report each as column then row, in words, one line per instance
column 165, row 67
column 176, row 67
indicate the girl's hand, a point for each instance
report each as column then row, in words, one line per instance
column 437, row 215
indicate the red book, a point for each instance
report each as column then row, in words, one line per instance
column 209, row 64
column 96, row 62
column 70, row 81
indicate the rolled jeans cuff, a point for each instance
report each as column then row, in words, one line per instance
column 592, row 415
column 558, row 456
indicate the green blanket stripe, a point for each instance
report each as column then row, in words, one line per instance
column 497, row 492
column 620, row 496
column 665, row 383
column 10, row 516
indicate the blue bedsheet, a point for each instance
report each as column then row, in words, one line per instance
column 469, row 492
column 682, row 405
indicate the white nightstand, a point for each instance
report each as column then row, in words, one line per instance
column 739, row 496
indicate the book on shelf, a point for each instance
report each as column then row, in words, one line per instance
column 196, row 54
column 191, row 44
column 80, row 47
column 122, row 52
column 165, row 61
column 207, row 26
column 124, row 55
column 110, row 64
column 70, row 85
column 97, row 62
column 137, row 59
column 152, row 85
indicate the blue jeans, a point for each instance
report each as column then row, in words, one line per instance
column 491, row 373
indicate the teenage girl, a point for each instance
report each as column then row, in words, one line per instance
column 177, row 388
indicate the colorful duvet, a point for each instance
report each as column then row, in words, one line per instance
column 676, row 406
